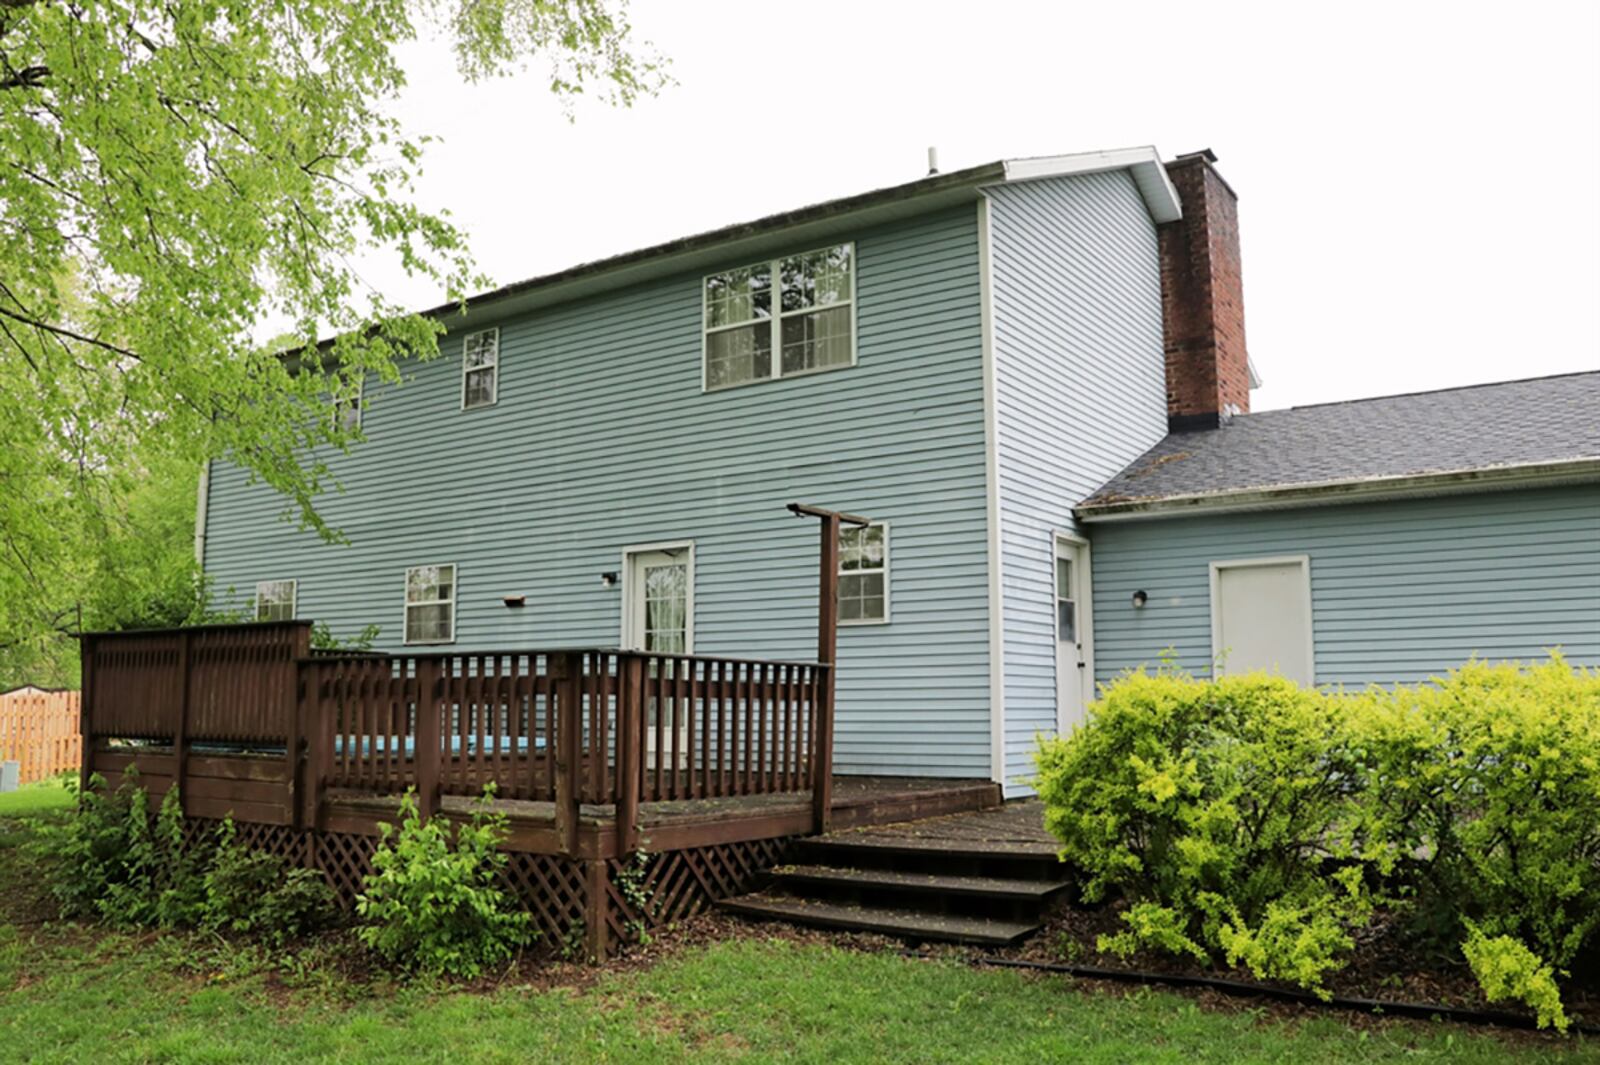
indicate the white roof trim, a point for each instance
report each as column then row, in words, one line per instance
column 1356, row 490
column 1145, row 163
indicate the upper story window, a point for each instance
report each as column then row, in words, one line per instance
column 275, row 600
column 347, row 409
column 810, row 324
column 430, row 604
column 480, row 369
column 864, row 574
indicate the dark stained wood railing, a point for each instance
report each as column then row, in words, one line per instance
column 220, row 686
column 573, row 728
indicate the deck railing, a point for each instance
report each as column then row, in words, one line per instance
column 596, row 727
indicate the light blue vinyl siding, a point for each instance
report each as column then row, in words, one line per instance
column 603, row 438
column 1080, row 391
column 1400, row 591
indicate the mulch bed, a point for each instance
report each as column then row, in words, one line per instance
column 1385, row 965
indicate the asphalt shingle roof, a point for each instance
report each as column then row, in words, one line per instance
column 1546, row 419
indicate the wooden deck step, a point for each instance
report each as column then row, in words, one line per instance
column 929, row 883
column 985, row 849
column 906, row 924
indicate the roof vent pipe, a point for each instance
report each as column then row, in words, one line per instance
column 933, row 161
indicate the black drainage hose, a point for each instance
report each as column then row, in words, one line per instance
column 1244, row 988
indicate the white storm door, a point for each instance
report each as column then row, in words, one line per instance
column 1261, row 617
column 659, row 601
column 1074, row 655
column 658, row 615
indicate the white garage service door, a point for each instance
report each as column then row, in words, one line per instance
column 1261, row 617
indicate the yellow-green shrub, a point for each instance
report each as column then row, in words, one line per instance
column 1492, row 776
column 1250, row 820
column 1213, row 807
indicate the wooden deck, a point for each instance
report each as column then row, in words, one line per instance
column 678, row 824
column 708, row 766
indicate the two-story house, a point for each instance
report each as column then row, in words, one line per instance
column 603, row 457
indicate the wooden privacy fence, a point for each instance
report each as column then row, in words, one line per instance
column 40, row 730
column 571, row 728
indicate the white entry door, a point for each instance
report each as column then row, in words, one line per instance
column 1261, row 617
column 1074, row 650
column 658, row 615
column 659, row 601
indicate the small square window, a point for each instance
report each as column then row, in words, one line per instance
column 864, row 574
column 480, row 369
column 275, row 600
column 430, row 604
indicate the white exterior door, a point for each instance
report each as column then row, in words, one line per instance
column 658, row 602
column 1261, row 617
column 1074, row 647
column 658, row 615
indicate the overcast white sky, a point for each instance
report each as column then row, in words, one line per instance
column 1419, row 183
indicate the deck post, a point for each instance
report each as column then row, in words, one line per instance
column 86, row 652
column 630, row 750
column 294, row 715
column 597, row 905
column 827, row 654
column 428, row 747
column 565, row 670
column 180, row 739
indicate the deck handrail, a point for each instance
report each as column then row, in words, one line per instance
column 568, row 726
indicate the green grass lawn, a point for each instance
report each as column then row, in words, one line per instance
column 46, row 798
column 69, row 994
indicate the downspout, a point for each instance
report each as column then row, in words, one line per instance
column 201, row 509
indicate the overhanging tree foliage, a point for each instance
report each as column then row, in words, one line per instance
column 174, row 172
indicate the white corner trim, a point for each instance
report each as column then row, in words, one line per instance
column 1303, row 561
column 202, row 513
column 1149, row 173
column 991, row 473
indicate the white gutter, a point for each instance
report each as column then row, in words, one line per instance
column 1357, row 490
column 201, row 510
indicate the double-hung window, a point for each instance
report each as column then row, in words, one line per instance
column 480, row 369
column 864, row 574
column 780, row 318
column 431, row 604
column 275, row 600
column 347, row 409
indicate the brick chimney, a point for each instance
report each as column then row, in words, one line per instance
column 1202, row 299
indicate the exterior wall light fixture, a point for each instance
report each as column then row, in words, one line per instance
column 1140, row 599
column 609, row 578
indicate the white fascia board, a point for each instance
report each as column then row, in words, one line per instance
column 1360, row 490
column 1144, row 162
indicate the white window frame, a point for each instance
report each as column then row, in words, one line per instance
column 357, row 402
column 1218, row 565
column 776, row 320
column 294, row 598
column 888, row 552
column 494, row 390
column 406, row 604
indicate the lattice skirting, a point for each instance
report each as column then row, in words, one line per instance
column 678, row 884
column 560, row 892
